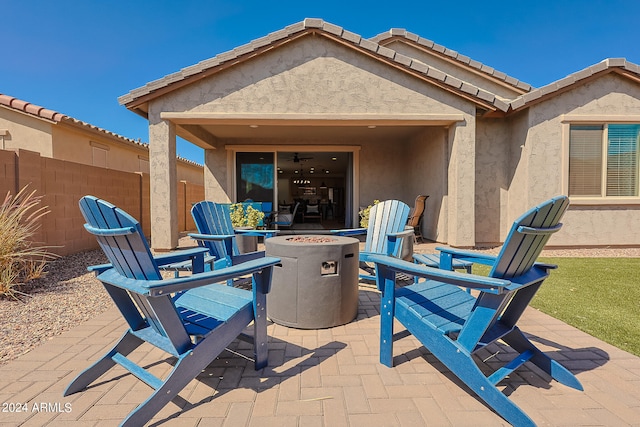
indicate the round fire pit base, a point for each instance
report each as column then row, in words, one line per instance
column 317, row 285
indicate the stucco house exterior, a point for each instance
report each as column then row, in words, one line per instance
column 406, row 117
column 27, row 126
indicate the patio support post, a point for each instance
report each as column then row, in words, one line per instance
column 215, row 171
column 461, row 183
column 163, row 182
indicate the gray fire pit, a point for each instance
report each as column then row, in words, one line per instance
column 317, row 285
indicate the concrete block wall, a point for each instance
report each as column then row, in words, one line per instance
column 193, row 193
column 8, row 170
column 63, row 183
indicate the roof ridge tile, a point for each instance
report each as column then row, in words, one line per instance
column 634, row 68
column 453, row 81
column 403, row 59
column 313, row 22
column 616, row 62
column 385, row 51
column 572, row 79
column 436, row 74
column 352, row 37
column 426, row 42
column 333, row 29
column 369, row 45
column 419, row 66
column 429, row 44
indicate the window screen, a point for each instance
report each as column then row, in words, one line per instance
column 622, row 160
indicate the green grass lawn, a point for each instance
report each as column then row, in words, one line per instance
column 600, row 296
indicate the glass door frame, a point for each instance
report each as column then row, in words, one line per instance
column 352, row 186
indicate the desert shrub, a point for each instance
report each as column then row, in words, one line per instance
column 364, row 214
column 21, row 260
column 241, row 217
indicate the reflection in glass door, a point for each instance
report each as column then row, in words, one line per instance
column 255, row 177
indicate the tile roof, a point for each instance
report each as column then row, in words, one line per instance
column 54, row 116
column 620, row 65
column 450, row 54
column 196, row 71
column 29, row 108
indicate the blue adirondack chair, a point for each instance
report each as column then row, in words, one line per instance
column 192, row 318
column 216, row 233
column 453, row 324
column 385, row 233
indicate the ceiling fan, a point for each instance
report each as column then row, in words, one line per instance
column 298, row 159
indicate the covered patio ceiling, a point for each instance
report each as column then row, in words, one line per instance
column 204, row 129
column 292, row 132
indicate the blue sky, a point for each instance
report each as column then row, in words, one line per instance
column 78, row 57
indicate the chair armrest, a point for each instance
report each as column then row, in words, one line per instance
column 400, row 234
column 349, row 231
column 472, row 256
column 182, row 255
column 472, row 281
column 194, row 255
column 264, row 233
column 240, row 258
column 155, row 288
column 213, row 237
column 99, row 268
column 393, row 248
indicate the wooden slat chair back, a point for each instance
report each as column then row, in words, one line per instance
column 454, row 324
column 215, row 219
column 177, row 315
column 386, row 218
column 216, row 233
column 526, row 239
column 385, row 233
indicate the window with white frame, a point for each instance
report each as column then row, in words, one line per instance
column 603, row 160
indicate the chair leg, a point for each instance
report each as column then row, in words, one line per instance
column 187, row 368
column 461, row 363
column 386, row 282
column 517, row 340
column 260, row 338
column 126, row 345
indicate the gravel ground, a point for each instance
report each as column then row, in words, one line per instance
column 69, row 295
column 65, row 296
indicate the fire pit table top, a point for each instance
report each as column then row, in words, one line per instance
column 310, row 239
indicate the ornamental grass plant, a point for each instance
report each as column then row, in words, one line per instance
column 21, row 260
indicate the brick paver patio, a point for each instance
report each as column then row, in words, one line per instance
column 329, row 377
